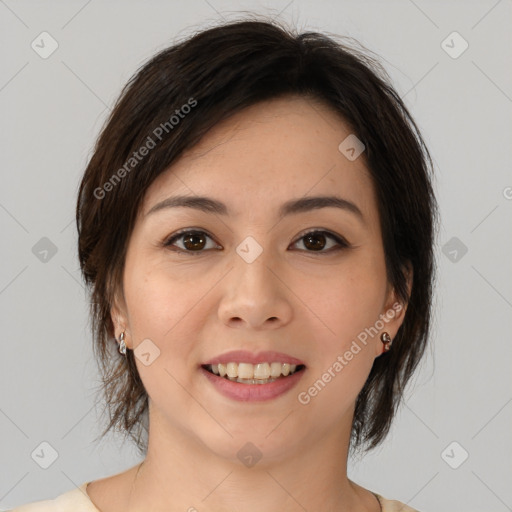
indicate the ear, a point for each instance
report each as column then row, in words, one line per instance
column 119, row 317
column 393, row 313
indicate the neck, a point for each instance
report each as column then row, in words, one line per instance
column 181, row 474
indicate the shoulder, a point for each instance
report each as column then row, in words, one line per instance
column 75, row 500
column 393, row 505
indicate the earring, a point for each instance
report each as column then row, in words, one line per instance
column 386, row 339
column 122, row 344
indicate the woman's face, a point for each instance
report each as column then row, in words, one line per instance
column 250, row 278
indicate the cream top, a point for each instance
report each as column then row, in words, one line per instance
column 77, row 500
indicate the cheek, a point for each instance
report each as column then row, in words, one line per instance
column 163, row 310
column 347, row 305
column 342, row 355
column 346, row 301
column 158, row 296
column 150, row 307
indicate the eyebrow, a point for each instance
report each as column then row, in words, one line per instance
column 294, row 206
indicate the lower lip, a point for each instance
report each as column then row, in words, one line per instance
column 253, row 392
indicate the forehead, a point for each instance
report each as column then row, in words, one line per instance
column 269, row 153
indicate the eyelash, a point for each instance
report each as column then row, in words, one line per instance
column 342, row 243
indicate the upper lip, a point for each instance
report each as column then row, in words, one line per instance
column 243, row 356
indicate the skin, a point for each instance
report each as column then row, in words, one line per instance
column 292, row 299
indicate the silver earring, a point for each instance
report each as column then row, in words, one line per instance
column 122, row 344
column 386, row 340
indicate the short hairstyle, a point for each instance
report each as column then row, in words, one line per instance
column 174, row 100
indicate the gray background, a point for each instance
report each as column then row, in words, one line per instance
column 52, row 110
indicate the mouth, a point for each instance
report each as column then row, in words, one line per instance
column 259, row 373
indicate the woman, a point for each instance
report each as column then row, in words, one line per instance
column 256, row 225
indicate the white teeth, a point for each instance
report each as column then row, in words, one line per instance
column 232, row 370
column 248, row 371
column 275, row 369
column 261, row 371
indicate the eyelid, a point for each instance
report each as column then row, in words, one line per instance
column 324, row 231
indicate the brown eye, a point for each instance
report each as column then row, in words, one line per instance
column 191, row 241
column 316, row 241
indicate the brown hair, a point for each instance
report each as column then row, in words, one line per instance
column 217, row 73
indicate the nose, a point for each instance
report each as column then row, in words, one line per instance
column 255, row 295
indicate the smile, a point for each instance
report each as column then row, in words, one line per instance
column 247, row 373
column 252, row 389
